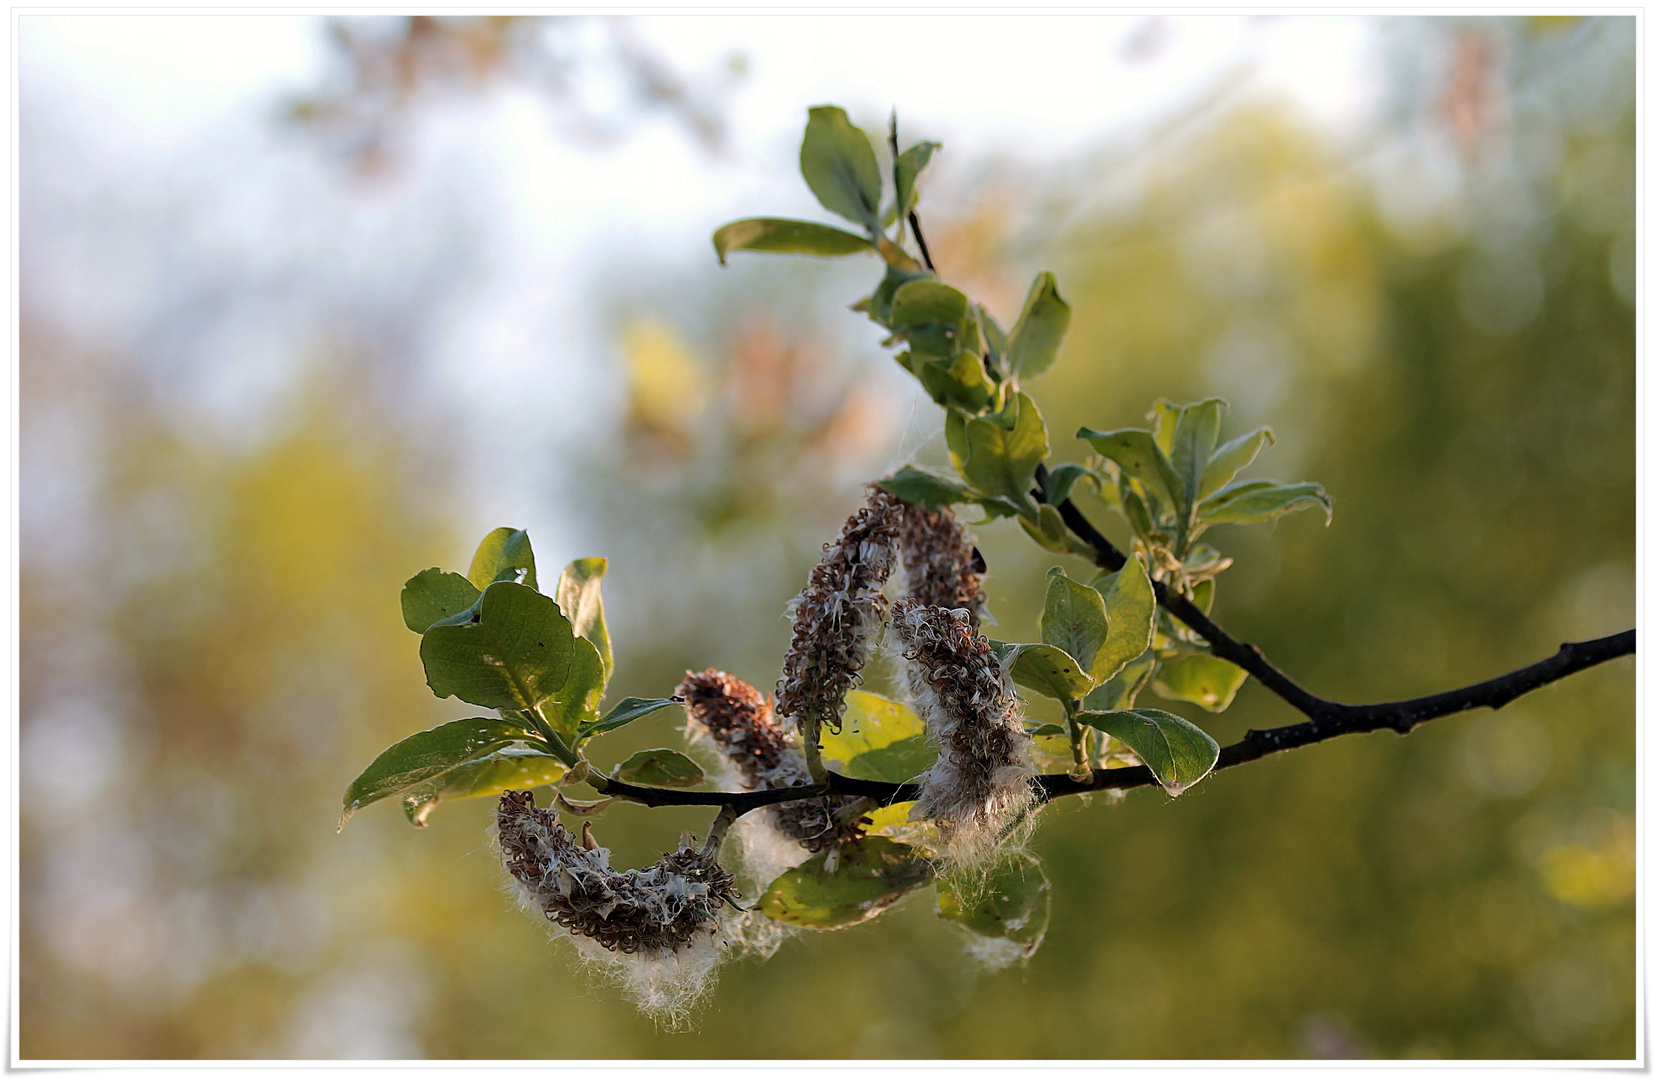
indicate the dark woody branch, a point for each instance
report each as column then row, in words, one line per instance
column 1326, row 719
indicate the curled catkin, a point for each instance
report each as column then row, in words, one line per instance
column 981, row 782
column 941, row 568
column 736, row 716
column 836, row 614
column 660, row 909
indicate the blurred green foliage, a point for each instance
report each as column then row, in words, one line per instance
column 1439, row 328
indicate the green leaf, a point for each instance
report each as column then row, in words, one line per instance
column 659, row 767
column 925, row 488
column 517, row 655
column 1046, row 730
column 1033, row 344
column 1073, row 618
column 1013, row 904
column 427, row 757
column 1001, row 457
column 993, row 335
column 846, row 885
column 838, row 164
column 879, row 302
column 1200, row 679
column 878, row 739
column 961, row 383
column 506, row 771
column 928, row 301
column 625, row 712
column 1195, row 434
column 787, row 237
column 432, row 595
column 1130, row 602
column 1251, row 503
column 576, row 702
column 1123, row 689
column 1049, row 670
column 908, row 168
column 501, row 556
column 582, row 602
column 1232, row 458
column 1136, row 451
column 1061, row 480
column 1048, row 529
column 1178, row 752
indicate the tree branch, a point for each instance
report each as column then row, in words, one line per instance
column 1327, row 719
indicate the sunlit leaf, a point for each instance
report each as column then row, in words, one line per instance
column 1178, row 752
column 1135, row 450
column 787, row 237
column 1073, row 618
column 508, row 770
column 1061, row 480
column 432, row 595
column 1201, row 679
column 846, row 885
column 924, row 302
column 1123, row 688
column 1048, row 529
column 426, row 757
column 925, row 488
column 1001, row 457
column 879, row 302
column 502, row 556
column 1013, row 904
column 576, row 702
column 582, row 602
column 660, row 767
column 1232, row 458
column 838, row 164
column 1048, row 670
column 961, row 382
column 1130, row 603
column 625, row 712
column 1033, row 343
column 517, row 655
column 878, row 739
column 1195, row 434
column 908, row 167
column 1259, row 501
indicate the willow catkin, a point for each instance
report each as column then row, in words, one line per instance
column 981, row 782
column 660, row 909
column 735, row 715
column 941, row 567
column 836, row 615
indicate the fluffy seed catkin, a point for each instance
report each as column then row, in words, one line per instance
column 941, row 568
column 980, row 786
column 664, row 908
column 734, row 714
column 836, row 614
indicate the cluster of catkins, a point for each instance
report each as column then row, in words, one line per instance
column 981, row 782
column 977, row 788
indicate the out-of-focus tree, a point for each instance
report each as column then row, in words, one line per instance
column 385, row 71
column 1440, row 331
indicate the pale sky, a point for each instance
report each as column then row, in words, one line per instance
column 156, row 102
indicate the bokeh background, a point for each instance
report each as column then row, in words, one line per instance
column 308, row 305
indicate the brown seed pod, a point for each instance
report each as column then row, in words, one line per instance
column 981, row 781
column 662, row 908
column 736, row 716
column 941, row 567
column 836, row 615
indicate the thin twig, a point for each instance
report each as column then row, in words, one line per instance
column 1327, row 719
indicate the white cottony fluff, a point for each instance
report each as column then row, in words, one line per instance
column 979, row 792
